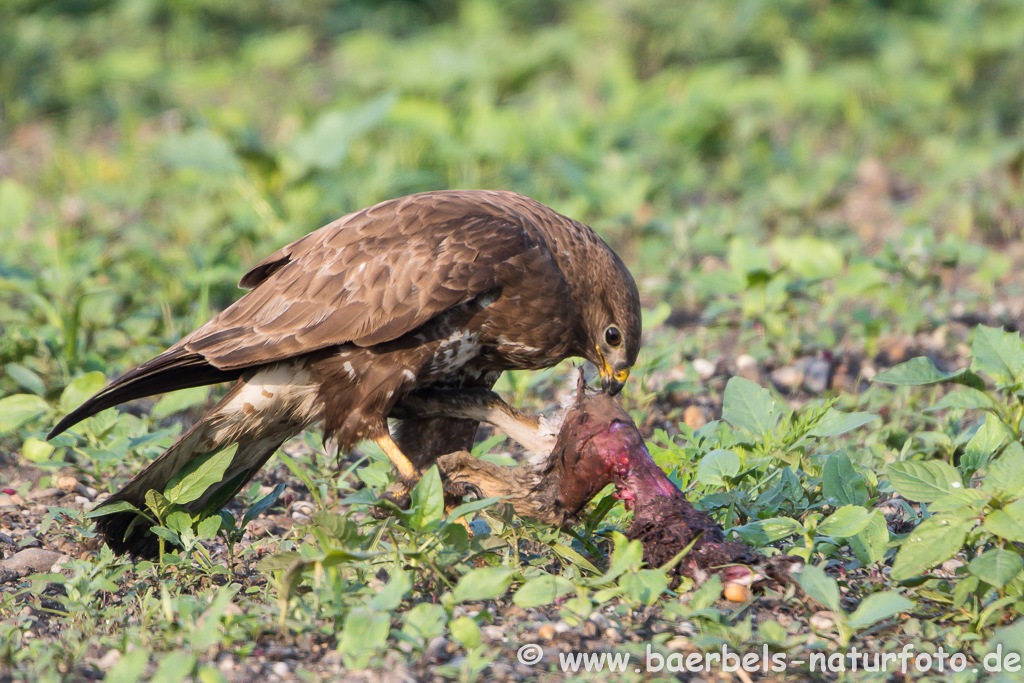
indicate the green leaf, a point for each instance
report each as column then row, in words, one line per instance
column 841, row 483
column 717, row 466
column 765, row 531
column 921, row 371
column 935, row 540
column 996, row 567
column 835, row 422
column 424, row 622
column 998, row 354
column 878, row 607
column 262, row 505
column 542, row 590
column 129, row 668
column 208, row 528
column 1008, row 522
column 749, row 406
column 390, row 597
column 201, row 149
column 471, row 507
column 195, row 478
column 26, row 378
column 646, row 585
column 119, row 506
column 1006, row 474
column 37, row 450
column 485, row 583
column 325, row 145
column 870, row 544
column 466, row 632
column 984, row 445
column 965, row 398
column 364, row 633
column 924, row 482
column 821, row 587
column 81, row 389
column 626, row 555
column 18, row 409
column 845, row 522
column 427, row 500
column 179, row 400
column 175, row 667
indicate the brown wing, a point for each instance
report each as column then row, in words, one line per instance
column 365, row 279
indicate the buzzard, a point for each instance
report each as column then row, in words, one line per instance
column 432, row 292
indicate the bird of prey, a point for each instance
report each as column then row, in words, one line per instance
column 436, row 291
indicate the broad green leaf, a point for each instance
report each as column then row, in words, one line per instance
column 750, row 406
column 485, row 583
column 325, row 145
column 935, row 540
column 82, row 388
column 390, row 596
column 175, row 667
column 870, row 544
column 984, row 445
column 195, row 478
column 208, row 528
column 37, row 450
column 845, row 522
column 964, row 398
column 765, row 531
column 841, row 483
column 201, row 149
column 878, row 607
column 465, row 631
column 177, row 401
column 998, row 354
column 1008, row 522
column 809, row 256
column 996, row 567
column 427, row 500
column 543, row 590
column 717, row 466
column 130, row 668
column 921, row 371
column 646, row 585
column 924, row 482
column 424, row 622
column 365, row 632
column 119, row 506
column 26, row 378
column 821, row 587
column 18, row 409
column 835, row 422
column 1006, row 473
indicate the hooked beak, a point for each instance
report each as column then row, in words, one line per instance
column 612, row 380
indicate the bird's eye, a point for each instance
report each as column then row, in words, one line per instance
column 613, row 336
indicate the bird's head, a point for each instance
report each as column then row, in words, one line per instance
column 613, row 329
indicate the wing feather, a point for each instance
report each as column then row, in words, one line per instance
column 367, row 278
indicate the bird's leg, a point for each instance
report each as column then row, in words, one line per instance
column 482, row 405
column 406, row 470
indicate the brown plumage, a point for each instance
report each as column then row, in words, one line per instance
column 434, row 290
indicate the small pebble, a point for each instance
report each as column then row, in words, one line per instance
column 705, row 368
column 547, row 631
column 67, row 484
column 281, row 669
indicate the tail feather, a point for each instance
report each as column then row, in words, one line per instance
column 259, row 430
column 176, row 368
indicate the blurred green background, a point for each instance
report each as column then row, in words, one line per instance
column 775, row 164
